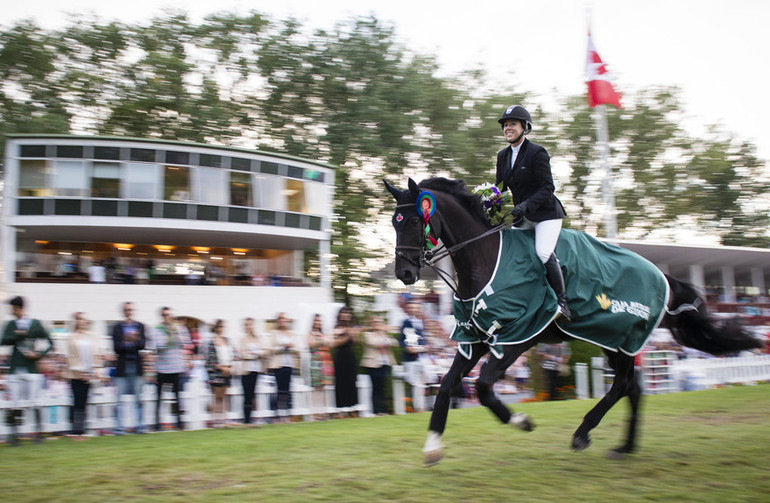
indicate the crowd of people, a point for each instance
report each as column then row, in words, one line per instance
column 167, row 355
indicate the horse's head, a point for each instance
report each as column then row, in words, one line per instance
column 410, row 232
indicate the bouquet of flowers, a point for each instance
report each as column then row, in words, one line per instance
column 494, row 201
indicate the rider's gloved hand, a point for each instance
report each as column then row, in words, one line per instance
column 517, row 214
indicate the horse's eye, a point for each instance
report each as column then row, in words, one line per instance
column 414, row 220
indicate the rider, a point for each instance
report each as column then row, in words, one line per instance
column 525, row 168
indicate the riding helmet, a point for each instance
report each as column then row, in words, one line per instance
column 517, row 112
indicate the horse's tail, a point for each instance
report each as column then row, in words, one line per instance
column 692, row 326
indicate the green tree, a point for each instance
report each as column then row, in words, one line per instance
column 662, row 175
column 355, row 98
column 32, row 94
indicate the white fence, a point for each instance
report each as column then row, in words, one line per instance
column 195, row 398
column 670, row 375
column 702, row 373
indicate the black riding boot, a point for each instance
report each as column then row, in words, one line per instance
column 556, row 279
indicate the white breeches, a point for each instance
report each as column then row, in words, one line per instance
column 546, row 236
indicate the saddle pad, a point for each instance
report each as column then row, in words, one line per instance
column 617, row 298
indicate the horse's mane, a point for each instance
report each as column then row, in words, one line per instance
column 457, row 188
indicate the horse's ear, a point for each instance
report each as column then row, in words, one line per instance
column 413, row 188
column 396, row 192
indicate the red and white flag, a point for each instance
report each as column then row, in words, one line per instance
column 600, row 89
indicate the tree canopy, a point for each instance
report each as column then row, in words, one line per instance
column 355, row 97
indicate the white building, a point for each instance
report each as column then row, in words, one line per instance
column 205, row 230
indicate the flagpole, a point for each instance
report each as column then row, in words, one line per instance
column 608, row 194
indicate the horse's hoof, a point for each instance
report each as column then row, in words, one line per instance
column 433, row 457
column 618, row 453
column 522, row 422
column 580, row 443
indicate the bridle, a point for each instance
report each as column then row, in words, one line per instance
column 430, row 257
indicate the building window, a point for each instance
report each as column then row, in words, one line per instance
column 240, row 189
column 208, row 186
column 142, row 155
column 176, row 183
column 32, row 151
column 240, row 164
column 214, row 161
column 141, row 181
column 295, row 196
column 268, row 192
column 296, row 172
column 70, row 179
column 105, row 180
column 174, row 157
column 69, row 151
column 32, row 178
column 270, row 168
column 316, row 195
column 112, row 153
column 314, row 175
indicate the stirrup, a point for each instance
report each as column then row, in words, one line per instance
column 564, row 311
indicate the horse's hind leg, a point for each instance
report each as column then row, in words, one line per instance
column 494, row 370
column 634, row 396
column 623, row 365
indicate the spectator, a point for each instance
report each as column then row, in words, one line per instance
column 378, row 360
column 345, row 365
column 252, row 354
column 219, row 364
column 169, row 340
column 284, row 359
column 128, row 342
column 30, row 343
column 552, row 358
column 83, row 359
column 321, row 367
column 521, row 373
column 97, row 273
column 432, row 301
column 414, row 345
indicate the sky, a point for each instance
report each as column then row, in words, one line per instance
column 716, row 52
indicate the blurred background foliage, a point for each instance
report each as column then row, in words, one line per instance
column 356, row 98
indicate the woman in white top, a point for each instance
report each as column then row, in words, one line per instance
column 378, row 360
column 83, row 359
column 251, row 353
column 219, row 361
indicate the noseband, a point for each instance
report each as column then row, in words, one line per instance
column 423, row 258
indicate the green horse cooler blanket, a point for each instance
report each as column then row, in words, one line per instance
column 617, row 298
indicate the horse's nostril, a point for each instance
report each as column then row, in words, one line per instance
column 407, row 277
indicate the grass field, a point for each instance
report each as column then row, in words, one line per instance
column 696, row 446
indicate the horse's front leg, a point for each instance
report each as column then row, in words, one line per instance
column 494, row 370
column 461, row 366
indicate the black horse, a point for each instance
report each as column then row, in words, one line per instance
column 458, row 220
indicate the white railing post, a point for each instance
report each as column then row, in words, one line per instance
column 597, row 376
column 364, row 385
column 398, row 390
column 582, row 387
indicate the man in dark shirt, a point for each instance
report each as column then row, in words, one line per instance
column 128, row 340
column 30, row 343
